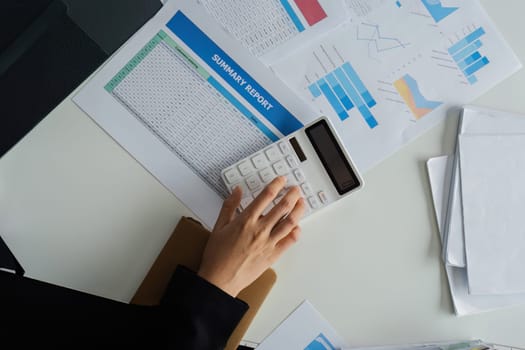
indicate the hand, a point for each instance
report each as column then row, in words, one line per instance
column 242, row 246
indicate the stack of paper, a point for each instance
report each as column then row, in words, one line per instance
column 478, row 197
column 464, row 345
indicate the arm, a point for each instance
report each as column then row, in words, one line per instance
column 241, row 247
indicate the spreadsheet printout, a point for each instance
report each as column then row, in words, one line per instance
column 186, row 104
column 271, row 29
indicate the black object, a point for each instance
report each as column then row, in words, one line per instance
column 47, row 49
column 8, row 260
column 40, row 67
column 193, row 314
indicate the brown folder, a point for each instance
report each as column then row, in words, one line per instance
column 185, row 247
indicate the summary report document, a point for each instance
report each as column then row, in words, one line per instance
column 383, row 71
column 187, row 101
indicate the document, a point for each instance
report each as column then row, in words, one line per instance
column 394, row 68
column 464, row 303
column 492, row 172
column 304, row 329
column 187, row 101
column 271, row 29
column 474, row 121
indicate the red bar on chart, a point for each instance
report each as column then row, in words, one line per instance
column 311, row 10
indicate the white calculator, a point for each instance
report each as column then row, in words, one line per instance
column 312, row 158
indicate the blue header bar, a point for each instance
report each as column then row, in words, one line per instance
column 233, row 74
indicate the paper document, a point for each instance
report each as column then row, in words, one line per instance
column 304, row 329
column 464, row 303
column 493, row 191
column 456, row 345
column 474, row 121
column 271, row 29
column 392, row 70
column 186, row 101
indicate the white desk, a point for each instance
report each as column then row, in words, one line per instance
column 370, row 264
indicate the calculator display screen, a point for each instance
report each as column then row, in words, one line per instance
column 332, row 157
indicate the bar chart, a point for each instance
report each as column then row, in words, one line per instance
column 344, row 90
column 466, row 54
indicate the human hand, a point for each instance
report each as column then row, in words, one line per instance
column 242, row 246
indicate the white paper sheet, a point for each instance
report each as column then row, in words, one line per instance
column 187, row 101
column 492, row 174
column 474, row 120
column 388, row 76
column 304, row 329
column 464, row 303
column 271, row 29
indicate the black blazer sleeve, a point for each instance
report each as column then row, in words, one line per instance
column 204, row 315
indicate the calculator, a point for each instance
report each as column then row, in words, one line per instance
column 312, row 158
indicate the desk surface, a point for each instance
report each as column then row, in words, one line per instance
column 374, row 272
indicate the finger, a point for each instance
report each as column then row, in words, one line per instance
column 284, row 207
column 229, row 208
column 263, row 200
column 284, row 244
column 283, row 228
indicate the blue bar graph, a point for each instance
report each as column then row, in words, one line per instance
column 334, row 101
column 314, row 90
column 472, row 79
column 467, row 50
column 469, row 60
column 467, row 40
column 359, row 84
column 467, row 56
column 293, row 16
column 340, row 93
column 476, row 66
column 344, row 90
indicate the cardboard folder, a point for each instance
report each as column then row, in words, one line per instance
column 185, row 247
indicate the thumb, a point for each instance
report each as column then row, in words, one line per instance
column 229, row 208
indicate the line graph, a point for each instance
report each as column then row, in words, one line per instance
column 377, row 42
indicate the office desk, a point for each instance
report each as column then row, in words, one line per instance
column 370, row 264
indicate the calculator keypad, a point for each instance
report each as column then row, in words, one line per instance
column 255, row 172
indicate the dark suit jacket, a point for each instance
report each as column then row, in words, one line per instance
column 193, row 314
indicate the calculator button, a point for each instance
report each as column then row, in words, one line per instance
column 246, row 201
column 284, row 147
column 290, row 180
column 292, row 162
column 273, row 154
column 322, row 197
column 259, row 161
column 299, row 175
column 266, row 175
column 306, row 189
column 278, row 198
column 257, row 193
column 253, row 182
column 232, row 176
column 245, row 168
column 280, row 168
column 243, row 187
column 314, row 203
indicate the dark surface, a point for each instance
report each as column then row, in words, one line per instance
column 110, row 23
column 47, row 48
